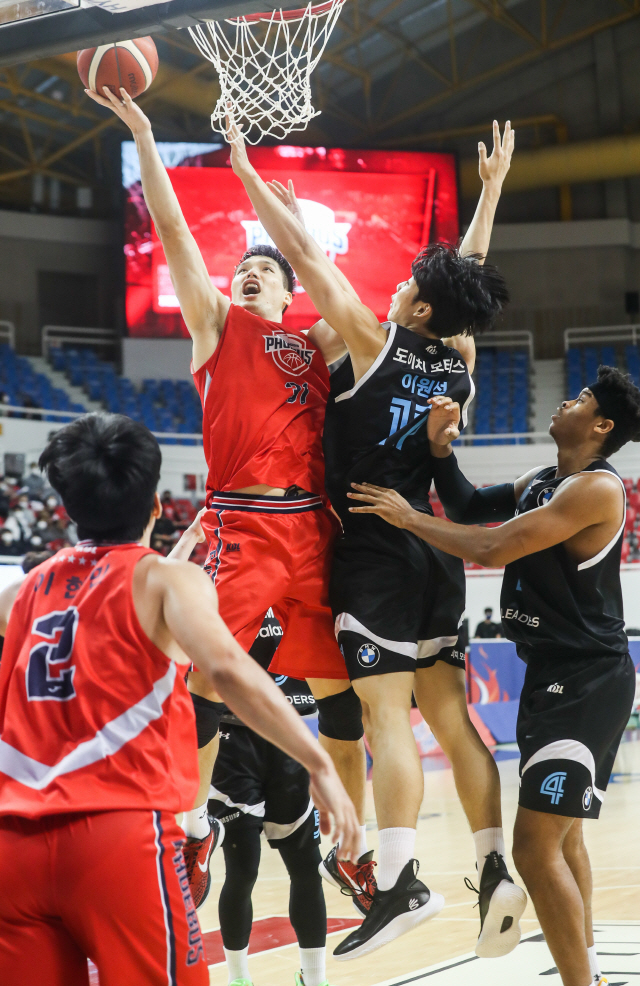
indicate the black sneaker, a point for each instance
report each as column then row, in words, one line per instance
column 392, row 913
column 353, row 879
column 501, row 906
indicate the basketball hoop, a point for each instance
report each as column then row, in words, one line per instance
column 266, row 74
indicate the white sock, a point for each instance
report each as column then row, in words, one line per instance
column 237, row 964
column 312, row 964
column 396, row 848
column 594, row 965
column 196, row 823
column 488, row 840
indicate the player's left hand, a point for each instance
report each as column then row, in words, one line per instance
column 195, row 527
column 493, row 170
column 443, row 420
column 385, row 503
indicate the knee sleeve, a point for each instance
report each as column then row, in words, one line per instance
column 208, row 715
column 307, row 909
column 241, row 852
column 340, row 716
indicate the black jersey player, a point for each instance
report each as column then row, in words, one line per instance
column 397, row 602
column 254, row 789
column 562, row 605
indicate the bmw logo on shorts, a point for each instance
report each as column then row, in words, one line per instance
column 368, row 655
column 587, row 798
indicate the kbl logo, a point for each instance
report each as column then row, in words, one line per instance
column 553, row 785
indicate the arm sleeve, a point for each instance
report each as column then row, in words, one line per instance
column 464, row 504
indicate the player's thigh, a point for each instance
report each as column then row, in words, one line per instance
column 385, row 696
column 35, row 947
column 128, row 901
column 538, row 838
column 40, row 952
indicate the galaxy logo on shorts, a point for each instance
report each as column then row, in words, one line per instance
column 368, row 655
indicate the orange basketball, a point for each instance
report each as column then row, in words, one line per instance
column 130, row 65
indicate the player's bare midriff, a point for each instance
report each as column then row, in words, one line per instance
column 263, row 490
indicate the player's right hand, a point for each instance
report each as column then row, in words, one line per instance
column 443, row 420
column 288, row 197
column 333, row 803
column 125, row 108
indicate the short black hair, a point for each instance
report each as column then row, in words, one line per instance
column 265, row 250
column 619, row 400
column 465, row 295
column 106, row 468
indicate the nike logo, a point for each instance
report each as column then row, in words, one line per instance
column 205, row 866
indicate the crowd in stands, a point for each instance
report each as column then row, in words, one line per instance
column 33, row 519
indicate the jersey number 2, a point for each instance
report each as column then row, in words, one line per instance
column 50, row 671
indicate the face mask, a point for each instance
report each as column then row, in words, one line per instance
column 7, row 539
column 42, row 525
column 51, row 503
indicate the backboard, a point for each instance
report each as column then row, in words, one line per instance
column 32, row 29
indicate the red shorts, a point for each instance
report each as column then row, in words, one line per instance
column 269, row 552
column 110, row 886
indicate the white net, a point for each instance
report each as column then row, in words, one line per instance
column 264, row 66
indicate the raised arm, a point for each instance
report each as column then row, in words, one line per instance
column 331, row 345
column 353, row 321
column 203, row 307
column 493, row 171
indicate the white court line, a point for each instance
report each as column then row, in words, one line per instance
column 530, row 960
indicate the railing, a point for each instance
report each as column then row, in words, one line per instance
column 55, row 335
column 8, row 332
column 8, row 410
column 535, row 437
column 507, row 337
column 602, row 333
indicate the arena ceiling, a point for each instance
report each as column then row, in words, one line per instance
column 397, row 73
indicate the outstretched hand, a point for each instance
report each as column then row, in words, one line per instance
column 443, row 421
column 234, row 137
column 288, row 198
column 385, row 503
column 493, row 169
column 124, row 107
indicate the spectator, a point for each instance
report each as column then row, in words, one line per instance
column 8, row 546
column 35, row 483
column 169, row 509
column 487, row 629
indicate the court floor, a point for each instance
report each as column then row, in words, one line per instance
column 435, row 951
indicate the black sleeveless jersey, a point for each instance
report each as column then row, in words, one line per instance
column 554, row 608
column 297, row 693
column 376, row 430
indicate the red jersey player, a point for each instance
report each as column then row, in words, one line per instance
column 263, row 394
column 97, row 738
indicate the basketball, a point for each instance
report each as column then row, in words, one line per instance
column 131, row 65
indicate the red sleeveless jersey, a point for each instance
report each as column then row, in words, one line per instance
column 264, row 393
column 93, row 716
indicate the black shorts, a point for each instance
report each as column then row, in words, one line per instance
column 397, row 603
column 571, row 719
column 256, row 785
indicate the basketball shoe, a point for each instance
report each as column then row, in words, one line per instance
column 197, row 855
column 392, row 913
column 241, row 982
column 299, row 981
column 353, row 879
column 501, row 906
